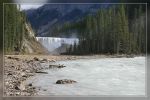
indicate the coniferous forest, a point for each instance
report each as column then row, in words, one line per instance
column 14, row 28
column 119, row 29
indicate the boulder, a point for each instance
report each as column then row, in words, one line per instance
column 65, row 81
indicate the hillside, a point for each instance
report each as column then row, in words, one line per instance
column 30, row 44
column 45, row 18
column 19, row 38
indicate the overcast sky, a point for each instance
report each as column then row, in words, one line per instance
column 27, row 6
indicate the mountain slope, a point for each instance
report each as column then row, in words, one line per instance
column 45, row 18
column 19, row 38
column 31, row 45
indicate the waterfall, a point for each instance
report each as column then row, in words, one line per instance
column 52, row 43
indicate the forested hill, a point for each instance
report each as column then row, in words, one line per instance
column 18, row 35
column 114, row 30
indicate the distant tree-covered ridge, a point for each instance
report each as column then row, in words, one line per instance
column 113, row 30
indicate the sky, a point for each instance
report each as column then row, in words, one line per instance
column 28, row 6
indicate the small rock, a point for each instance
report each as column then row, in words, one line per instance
column 33, row 88
column 36, row 59
column 12, row 66
column 9, row 73
column 65, row 81
column 29, row 61
column 56, row 66
column 44, row 59
column 22, row 86
column 23, row 74
column 130, row 56
column 17, row 88
column 69, row 58
column 53, row 61
column 30, row 84
column 17, row 59
column 41, row 72
column 44, row 90
column 9, row 57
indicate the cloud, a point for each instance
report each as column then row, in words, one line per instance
column 28, row 6
column 31, row 1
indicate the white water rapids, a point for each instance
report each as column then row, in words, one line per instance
column 103, row 76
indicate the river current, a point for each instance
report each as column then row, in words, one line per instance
column 103, row 76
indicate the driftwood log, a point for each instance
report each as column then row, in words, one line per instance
column 41, row 72
column 56, row 66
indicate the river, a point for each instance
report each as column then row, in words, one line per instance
column 102, row 76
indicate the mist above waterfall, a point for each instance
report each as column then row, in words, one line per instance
column 53, row 43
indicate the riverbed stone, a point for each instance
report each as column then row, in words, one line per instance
column 36, row 59
column 65, row 81
column 30, row 84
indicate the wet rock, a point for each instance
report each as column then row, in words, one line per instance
column 130, row 56
column 9, row 73
column 9, row 57
column 36, row 59
column 30, row 84
column 13, row 58
column 44, row 90
column 29, row 61
column 69, row 58
column 23, row 74
column 17, row 59
column 22, row 86
column 52, row 60
column 12, row 66
column 17, row 88
column 56, row 66
column 41, row 72
column 44, row 60
column 65, row 81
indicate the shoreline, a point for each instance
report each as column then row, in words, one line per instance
column 19, row 68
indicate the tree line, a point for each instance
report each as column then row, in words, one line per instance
column 14, row 28
column 114, row 30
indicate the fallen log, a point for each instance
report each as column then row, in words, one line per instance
column 56, row 66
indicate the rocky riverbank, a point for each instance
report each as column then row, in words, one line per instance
column 18, row 68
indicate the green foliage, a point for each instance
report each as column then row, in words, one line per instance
column 110, row 31
column 14, row 28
